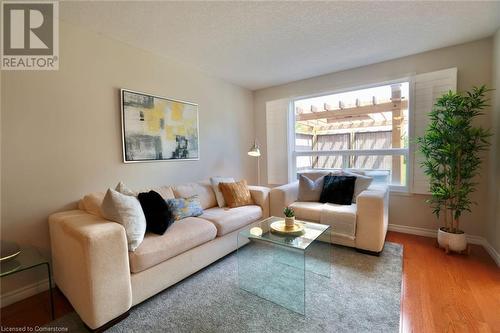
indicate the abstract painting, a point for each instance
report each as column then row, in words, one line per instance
column 158, row 129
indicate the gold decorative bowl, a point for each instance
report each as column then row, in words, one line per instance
column 279, row 227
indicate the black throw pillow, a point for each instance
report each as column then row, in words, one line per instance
column 158, row 214
column 338, row 190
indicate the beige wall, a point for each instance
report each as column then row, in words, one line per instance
column 474, row 62
column 61, row 132
column 493, row 234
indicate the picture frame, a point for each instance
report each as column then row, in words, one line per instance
column 156, row 128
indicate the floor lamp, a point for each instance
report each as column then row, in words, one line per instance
column 255, row 152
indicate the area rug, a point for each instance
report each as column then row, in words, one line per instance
column 362, row 294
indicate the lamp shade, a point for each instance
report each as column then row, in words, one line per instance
column 254, row 150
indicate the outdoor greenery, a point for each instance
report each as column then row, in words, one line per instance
column 451, row 147
column 288, row 212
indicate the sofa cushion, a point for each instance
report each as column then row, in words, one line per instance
column 123, row 189
column 307, row 211
column 362, row 183
column 227, row 220
column 342, row 219
column 315, row 174
column 166, row 192
column 180, row 237
column 91, row 203
column 203, row 190
column 310, row 190
column 356, row 171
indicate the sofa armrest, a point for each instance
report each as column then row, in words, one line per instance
column 372, row 219
column 283, row 196
column 260, row 195
column 90, row 264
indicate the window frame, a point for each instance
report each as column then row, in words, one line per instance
column 407, row 153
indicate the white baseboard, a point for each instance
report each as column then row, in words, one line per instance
column 413, row 230
column 493, row 253
column 24, row 292
column 433, row 234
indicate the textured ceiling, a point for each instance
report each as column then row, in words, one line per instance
column 261, row 44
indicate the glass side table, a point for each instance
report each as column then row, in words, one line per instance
column 28, row 258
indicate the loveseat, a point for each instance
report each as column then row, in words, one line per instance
column 103, row 280
column 369, row 213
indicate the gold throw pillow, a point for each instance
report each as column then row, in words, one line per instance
column 236, row 194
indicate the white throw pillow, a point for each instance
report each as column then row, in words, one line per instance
column 125, row 190
column 218, row 193
column 127, row 211
column 362, row 183
column 309, row 189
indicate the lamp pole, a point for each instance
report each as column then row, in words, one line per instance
column 258, row 170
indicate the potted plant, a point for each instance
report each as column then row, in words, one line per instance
column 451, row 147
column 289, row 217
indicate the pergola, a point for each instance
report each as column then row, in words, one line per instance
column 375, row 115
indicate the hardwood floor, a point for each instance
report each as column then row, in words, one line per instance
column 440, row 293
column 447, row 293
column 35, row 310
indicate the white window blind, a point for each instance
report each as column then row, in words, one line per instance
column 428, row 88
column 277, row 141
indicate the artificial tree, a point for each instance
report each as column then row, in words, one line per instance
column 451, row 147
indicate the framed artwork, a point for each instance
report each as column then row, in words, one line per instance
column 156, row 128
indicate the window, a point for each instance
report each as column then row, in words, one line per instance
column 361, row 129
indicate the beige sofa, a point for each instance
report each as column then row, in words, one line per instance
column 102, row 280
column 370, row 213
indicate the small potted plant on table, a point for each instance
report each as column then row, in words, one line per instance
column 451, row 147
column 289, row 217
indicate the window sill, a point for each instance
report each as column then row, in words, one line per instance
column 399, row 190
column 400, row 193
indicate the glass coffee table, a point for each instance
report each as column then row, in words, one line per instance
column 274, row 266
